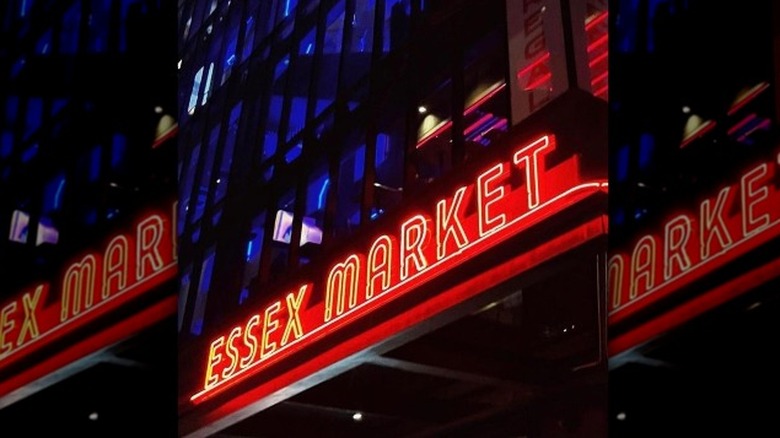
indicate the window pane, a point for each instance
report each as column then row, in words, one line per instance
column 358, row 60
column 227, row 152
column 327, row 77
column 434, row 132
column 301, row 78
column 396, row 23
column 314, row 218
column 273, row 113
column 53, row 193
column 350, row 184
column 204, row 284
column 486, row 100
column 69, row 33
column 185, row 186
column 99, row 19
column 195, row 90
column 254, row 248
column 205, row 175
column 283, row 229
column 389, row 164
column 184, row 291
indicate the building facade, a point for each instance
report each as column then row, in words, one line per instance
column 392, row 217
column 87, row 203
column 694, row 215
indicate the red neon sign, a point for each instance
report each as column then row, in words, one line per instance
column 94, row 284
column 723, row 226
column 504, row 200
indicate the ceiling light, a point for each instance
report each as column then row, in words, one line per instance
column 93, row 416
column 621, row 416
column 422, row 110
column 357, row 416
column 686, row 109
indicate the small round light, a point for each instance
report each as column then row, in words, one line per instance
column 357, row 416
column 158, row 109
column 93, row 416
column 686, row 109
column 621, row 416
column 422, row 110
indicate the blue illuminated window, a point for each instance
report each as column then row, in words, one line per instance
column 316, row 199
column 249, row 36
column 396, row 23
column 207, row 86
column 622, row 163
column 30, row 153
column 6, row 144
column 90, row 217
column 619, row 216
column 57, row 105
column 229, row 58
column 34, row 116
column 69, row 33
column 281, row 67
column 94, row 163
column 204, row 284
column 361, row 46
column 195, row 90
column 626, row 25
column 293, row 153
column 118, row 150
column 24, row 7
column 53, row 193
column 205, row 175
column 350, row 186
column 302, row 75
column 185, row 185
column 646, row 146
column 253, row 253
column 99, row 20
column 227, row 152
column 272, row 126
column 286, row 8
column 123, row 23
column 184, row 291
column 43, row 46
column 11, row 109
column 328, row 75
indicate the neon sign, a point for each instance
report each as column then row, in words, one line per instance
column 507, row 198
column 93, row 284
column 725, row 225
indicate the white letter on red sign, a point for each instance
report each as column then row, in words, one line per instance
column 643, row 265
column 751, row 197
column 529, row 158
column 342, row 283
column 676, row 234
column 293, row 314
column 486, row 197
column 379, row 265
column 30, row 324
column 150, row 233
column 413, row 235
column 214, row 359
column 78, row 282
column 448, row 224
column 712, row 225
column 615, row 271
column 115, row 266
